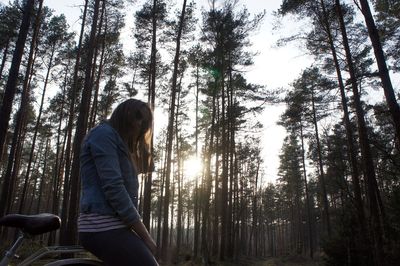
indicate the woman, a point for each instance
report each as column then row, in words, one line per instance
column 111, row 156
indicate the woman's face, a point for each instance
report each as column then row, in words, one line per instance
column 141, row 123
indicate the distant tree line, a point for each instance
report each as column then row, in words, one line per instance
column 61, row 83
column 339, row 164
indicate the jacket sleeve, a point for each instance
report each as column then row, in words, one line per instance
column 105, row 154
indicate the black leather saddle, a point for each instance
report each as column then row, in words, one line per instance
column 32, row 224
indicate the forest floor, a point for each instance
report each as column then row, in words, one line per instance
column 286, row 262
column 279, row 261
column 32, row 246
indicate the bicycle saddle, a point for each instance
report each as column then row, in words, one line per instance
column 32, row 224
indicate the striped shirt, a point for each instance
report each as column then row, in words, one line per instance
column 93, row 222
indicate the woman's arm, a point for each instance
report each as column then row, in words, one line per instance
column 104, row 151
column 142, row 232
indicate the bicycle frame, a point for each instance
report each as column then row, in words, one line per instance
column 58, row 250
column 11, row 253
column 47, row 251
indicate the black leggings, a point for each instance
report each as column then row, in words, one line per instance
column 118, row 247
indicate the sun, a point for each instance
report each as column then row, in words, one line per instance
column 192, row 167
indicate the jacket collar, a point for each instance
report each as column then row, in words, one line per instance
column 124, row 146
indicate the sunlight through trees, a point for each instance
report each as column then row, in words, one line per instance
column 206, row 197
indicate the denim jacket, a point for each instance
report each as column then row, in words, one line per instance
column 109, row 182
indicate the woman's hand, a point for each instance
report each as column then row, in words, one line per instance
column 142, row 232
column 151, row 245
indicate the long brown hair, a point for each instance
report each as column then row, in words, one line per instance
column 133, row 120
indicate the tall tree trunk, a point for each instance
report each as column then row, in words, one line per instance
column 253, row 235
column 7, row 189
column 321, row 169
column 71, row 115
column 196, row 209
column 38, row 160
column 42, row 178
column 308, row 203
column 93, row 113
column 383, row 69
column 81, row 128
column 231, row 154
column 151, row 101
column 160, row 202
column 242, row 218
column 352, row 152
column 13, row 167
column 11, row 86
column 207, row 183
column 59, row 163
column 224, row 175
column 217, row 151
column 170, row 130
column 31, row 154
column 58, row 172
column 171, row 217
column 373, row 191
column 4, row 59
column 239, row 216
column 179, row 177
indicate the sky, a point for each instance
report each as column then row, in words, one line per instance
column 273, row 67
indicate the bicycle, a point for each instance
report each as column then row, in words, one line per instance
column 33, row 225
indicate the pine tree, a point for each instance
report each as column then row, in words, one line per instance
column 8, row 99
column 10, row 89
column 81, row 126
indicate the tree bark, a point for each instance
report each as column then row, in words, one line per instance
column 308, row 203
column 11, row 86
column 32, row 151
column 352, row 152
column 81, row 128
column 170, row 131
column 224, row 174
column 321, row 168
column 179, row 177
column 42, row 183
column 196, row 209
column 373, row 191
column 151, row 101
column 7, row 190
column 207, row 183
column 59, row 163
column 214, row 148
column 4, row 59
column 383, row 69
column 94, row 109
column 67, row 188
